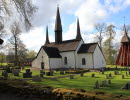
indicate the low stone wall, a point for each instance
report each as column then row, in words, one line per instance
column 20, row 90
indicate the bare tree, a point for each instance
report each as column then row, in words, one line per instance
column 15, row 30
column 100, row 27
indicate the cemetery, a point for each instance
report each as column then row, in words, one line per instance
column 110, row 80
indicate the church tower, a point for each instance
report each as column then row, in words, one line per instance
column 58, row 28
column 47, row 37
column 78, row 37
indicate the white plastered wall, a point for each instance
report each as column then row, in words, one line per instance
column 38, row 60
column 55, row 63
column 99, row 60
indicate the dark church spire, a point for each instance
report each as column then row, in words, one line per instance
column 78, row 37
column 58, row 28
column 125, row 32
column 47, row 37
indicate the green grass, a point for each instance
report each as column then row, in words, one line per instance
column 87, row 82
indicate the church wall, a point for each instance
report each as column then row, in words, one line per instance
column 38, row 60
column 88, row 59
column 99, row 60
column 55, row 63
column 70, row 59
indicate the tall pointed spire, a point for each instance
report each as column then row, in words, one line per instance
column 78, row 37
column 125, row 38
column 47, row 37
column 125, row 32
column 58, row 28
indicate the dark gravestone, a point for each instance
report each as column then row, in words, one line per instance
column 127, row 86
column 62, row 72
column 93, row 75
column 27, row 70
column 42, row 72
column 28, row 74
column 41, row 75
column 71, row 77
column 36, row 78
column 115, row 72
column 96, row 85
column 104, row 83
column 5, row 74
column 16, row 73
column 8, row 70
column 109, row 81
column 82, row 74
column 123, row 76
column 49, row 73
column 110, row 75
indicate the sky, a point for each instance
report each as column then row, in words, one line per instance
column 89, row 13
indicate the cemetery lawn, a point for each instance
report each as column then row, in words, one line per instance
column 87, row 82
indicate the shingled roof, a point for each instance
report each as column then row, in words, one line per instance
column 52, row 52
column 69, row 45
column 125, row 38
column 87, row 48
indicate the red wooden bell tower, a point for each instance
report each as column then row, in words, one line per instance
column 123, row 58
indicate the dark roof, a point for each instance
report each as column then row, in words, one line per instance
column 125, row 38
column 87, row 48
column 52, row 52
column 69, row 45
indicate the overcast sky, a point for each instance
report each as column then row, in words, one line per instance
column 89, row 12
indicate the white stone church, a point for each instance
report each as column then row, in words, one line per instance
column 68, row 54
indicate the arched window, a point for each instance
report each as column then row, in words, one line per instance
column 65, row 60
column 83, row 61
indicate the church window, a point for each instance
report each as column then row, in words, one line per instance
column 83, row 61
column 65, row 60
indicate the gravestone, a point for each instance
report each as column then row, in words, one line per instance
column 8, row 70
column 82, row 74
column 107, row 76
column 93, row 75
column 96, row 85
column 42, row 72
column 41, row 75
column 62, row 72
column 102, row 71
column 49, row 73
column 5, row 74
column 36, row 78
column 123, row 76
column 16, row 73
column 104, row 83
column 27, row 70
column 109, row 81
column 127, row 86
column 129, row 72
column 115, row 72
column 28, row 74
column 71, row 77
column 110, row 75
